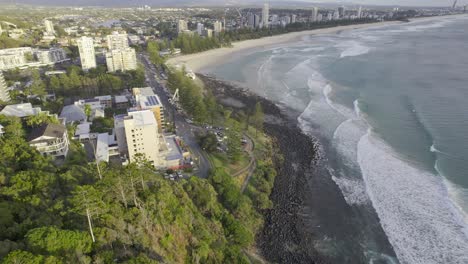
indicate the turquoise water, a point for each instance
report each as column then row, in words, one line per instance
column 390, row 105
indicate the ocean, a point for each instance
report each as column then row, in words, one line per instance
column 389, row 105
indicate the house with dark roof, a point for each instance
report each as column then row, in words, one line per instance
column 50, row 140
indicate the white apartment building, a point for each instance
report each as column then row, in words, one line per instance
column 53, row 55
column 4, row 94
column 200, row 29
column 117, row 41
column 314, row 17
column 14, row 57
column 121, row 60
column 87, row 55
column 265, row 14
column 182, row 26
column 142, row 137
column 49, row 27
column 218, row 26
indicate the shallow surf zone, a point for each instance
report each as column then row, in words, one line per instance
column 413, row 206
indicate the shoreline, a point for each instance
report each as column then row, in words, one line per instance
column 303, row 193
column 198, row 61
column 282, row 226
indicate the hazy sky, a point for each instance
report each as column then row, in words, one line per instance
column 165, row 2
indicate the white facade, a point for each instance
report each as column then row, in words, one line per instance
column 200, row 29
column 142, row 137
column 121, row 60
column 87, row 55
column 218, row 26
column 182, row 26
column 117, row 41
column 4, row 94
column 359, row 12
column 49, row 27
column 14, row 57
column 53, row 55
column 265, row 14
column 314, row 17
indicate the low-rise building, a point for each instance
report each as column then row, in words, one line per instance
column 50, row 140
column 121, row 102
column 105, row 100
column 73, row 114
column 21, row 110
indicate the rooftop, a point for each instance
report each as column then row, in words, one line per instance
column 175, row 153
column 143, row 91
column 20, row 110
column 120, row 99
column 72, row 113
column 148, row 101
column 47, row 130
column 102, row 147
column 142, row 118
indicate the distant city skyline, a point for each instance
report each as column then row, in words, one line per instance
column 240, row 2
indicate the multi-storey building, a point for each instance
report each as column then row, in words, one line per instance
column 142, row 137
column 200, row 29
column 87, row 55
column 53, row 55
column 4, row 94
column 121, row 60
column 50, row 140
column 314, row 16
column 265, row 14
column 218, row 26
column 14, row 57
column 49, row 27
column 147, row 100
column 182, row 26
column 117, row 41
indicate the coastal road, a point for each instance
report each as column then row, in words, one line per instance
column 184, row 130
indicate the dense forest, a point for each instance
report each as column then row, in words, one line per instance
column 68, row 214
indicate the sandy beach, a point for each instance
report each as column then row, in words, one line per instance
column 198, row 61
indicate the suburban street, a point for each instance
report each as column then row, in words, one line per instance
column 183, row 129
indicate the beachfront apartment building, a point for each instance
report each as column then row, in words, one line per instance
column 314, row 17
column 87, row 53
column 146, row 99
column 121, row 60
column 4, row 94
column 265, row 14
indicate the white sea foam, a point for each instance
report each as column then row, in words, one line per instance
column 352, row 48
column 353, row 190
column 413, row 207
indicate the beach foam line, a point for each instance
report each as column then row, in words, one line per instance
column 413, row 206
